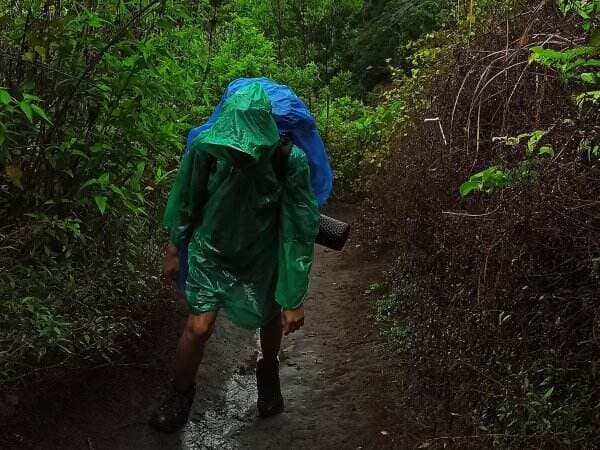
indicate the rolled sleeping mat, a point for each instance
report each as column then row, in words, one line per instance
column 333, row 233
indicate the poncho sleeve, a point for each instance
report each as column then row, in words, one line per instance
column 299, row 225
column 187, row 197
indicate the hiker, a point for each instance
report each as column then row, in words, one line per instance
column 244, row 203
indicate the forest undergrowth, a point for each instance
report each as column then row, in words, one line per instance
column 491, row 198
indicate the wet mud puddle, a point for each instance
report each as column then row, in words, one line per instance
column 213, row 422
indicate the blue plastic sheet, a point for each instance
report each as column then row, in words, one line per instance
column 293, row 119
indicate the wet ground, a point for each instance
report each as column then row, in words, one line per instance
column 339, row 383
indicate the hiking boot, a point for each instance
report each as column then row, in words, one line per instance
column 174, row 410
column 270, row 401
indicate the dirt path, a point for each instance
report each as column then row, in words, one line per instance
column 336, row 379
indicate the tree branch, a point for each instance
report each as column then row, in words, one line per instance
column 93, row 63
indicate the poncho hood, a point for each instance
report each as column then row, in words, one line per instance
column 245, row 124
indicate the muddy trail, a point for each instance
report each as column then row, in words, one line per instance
column 338, row 380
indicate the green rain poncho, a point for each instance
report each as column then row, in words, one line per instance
column 252, row 233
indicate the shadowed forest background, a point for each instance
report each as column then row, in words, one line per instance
column 468, row 131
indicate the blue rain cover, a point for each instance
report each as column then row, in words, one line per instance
column 292, row 118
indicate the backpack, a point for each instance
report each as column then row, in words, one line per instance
column 291, row 116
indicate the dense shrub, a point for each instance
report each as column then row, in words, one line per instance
column 503, row 286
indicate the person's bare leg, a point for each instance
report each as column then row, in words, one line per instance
column 190, row 348
column 270, row 339
column 174, row 410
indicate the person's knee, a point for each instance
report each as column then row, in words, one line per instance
column 200, row 327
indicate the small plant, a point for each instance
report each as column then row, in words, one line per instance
column 375, row 288
column 570, row 64
column 388, row 306
column 533, row 141
column 494, row 178
column 51, row 329
column 586, row 9
column 395, row 329
column 590, row 149
column 488, row 180
column 590, row 98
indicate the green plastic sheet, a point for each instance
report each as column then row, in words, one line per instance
column 252, row 233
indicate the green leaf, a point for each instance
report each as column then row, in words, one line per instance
column 94, row 20
column 26, row 108
column 468, row 187
column 101, row 203
column 546, row 150
column 586, row 26
column 31, row 98
column 548, row 393
column 590, row 96
column 88, row 183
column 139, row 168
column 104, row 179
column 97, row 147
column 28, row 56
column 80, row 153
column 534, row 140
column 522, row 136
column 40, row 51
column 5, row 97
column 40, row 112
column 589, row 77
column 117, row 190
